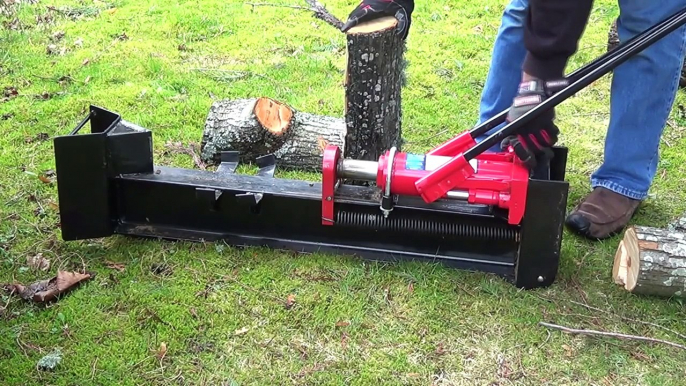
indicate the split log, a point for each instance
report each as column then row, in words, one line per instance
column 373, row 82
column 651, row 261
column 260, row 126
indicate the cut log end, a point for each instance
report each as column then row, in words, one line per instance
column 372, row 26
column 274, row 116
column 651, row 261
column 626, row 263
column 259, row 126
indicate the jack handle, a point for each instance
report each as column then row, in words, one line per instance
column 441, row 180
column 578, row 80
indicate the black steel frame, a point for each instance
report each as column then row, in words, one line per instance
column 108, row 184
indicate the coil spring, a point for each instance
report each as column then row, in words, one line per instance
column 440, row 228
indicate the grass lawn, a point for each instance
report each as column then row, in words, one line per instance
column 219, row 311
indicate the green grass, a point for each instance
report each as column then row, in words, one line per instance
column 354, row 322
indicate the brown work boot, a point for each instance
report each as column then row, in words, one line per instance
column 602, row 214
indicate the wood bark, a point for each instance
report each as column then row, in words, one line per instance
column 373, row 83
column 260, row 126
column 678, row 225
column 651, row 261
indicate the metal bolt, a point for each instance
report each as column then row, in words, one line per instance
column 540, row 279
column 328, row 198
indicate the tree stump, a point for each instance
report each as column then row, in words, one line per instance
column 373, row 83
column 651, row 261
column 260, row 126
column 613, row 42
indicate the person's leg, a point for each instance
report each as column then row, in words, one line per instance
column 642, row 95
column 546, row 33
column 505, row 71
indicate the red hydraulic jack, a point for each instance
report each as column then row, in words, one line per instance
column 497, row 179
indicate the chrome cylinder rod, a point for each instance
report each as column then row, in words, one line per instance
column 368, row 170
column 357, row 169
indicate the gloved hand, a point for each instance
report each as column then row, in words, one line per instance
column 538, row 136
column 368, row 10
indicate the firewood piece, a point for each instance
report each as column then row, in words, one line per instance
column 373, row 79
column 260, row 126
column 651, row 261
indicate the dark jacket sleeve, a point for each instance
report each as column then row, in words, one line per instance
column 552, row 33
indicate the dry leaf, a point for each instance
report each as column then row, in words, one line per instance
column 194, row 313
column 111, row 10
column 410, row 287
column 48, row 289
column 45, row 179
column 387, row 294
column 88, row 79
column 38, row 262
column 342, row 323
column 58, row 35
column 569, row 352
column 85, row 62
column 639, row 355
column 322, row 143
column 242, row 331
column 290, row 301
column 117, row 266
column 162, row 351
column 10, row 92
column 344, row 340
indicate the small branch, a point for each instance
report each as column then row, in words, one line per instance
column 190, row 150
column 575, row 331
column 320, row 12
column 682, row 336
column 315, row 7
column 281, row 6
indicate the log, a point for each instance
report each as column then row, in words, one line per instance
column 260, row 126
column 373, row 81
column 651, row 261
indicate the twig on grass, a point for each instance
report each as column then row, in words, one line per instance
column 319, row 11
column 281, row 6
column 682, row 336
column 231, row 75
column 575, row 331
column 177, row 147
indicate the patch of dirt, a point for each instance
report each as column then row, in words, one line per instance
column 13, row 25
column 161, row 269
column 197, row 346
column 9, row 7
column 75, row 13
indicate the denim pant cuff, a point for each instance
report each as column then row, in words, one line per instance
column 619, row 189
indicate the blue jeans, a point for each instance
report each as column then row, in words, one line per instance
column 642, row 92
